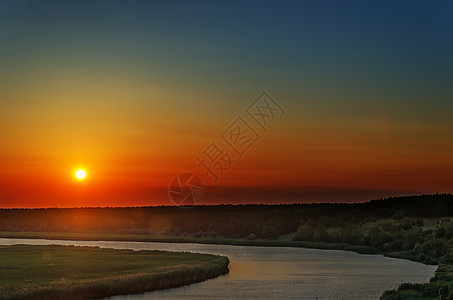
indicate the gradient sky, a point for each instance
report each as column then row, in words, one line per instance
column 133, row 91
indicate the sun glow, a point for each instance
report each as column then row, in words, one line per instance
column 80, row 174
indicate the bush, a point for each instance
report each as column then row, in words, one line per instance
column 350, row 235
column 251, row 236
column 389, row 227
column 406, row 224
column 320, row 234
column 443, row 292
column 347, row 217
column 411, row 238
column 399, row 214
column 419, row 222
column 198, row 234
column 440, row 232
column 310, row 222
column 269, row 232
column 396, row 244
column 449, row 233
column 449, row 255
column 304, row 233
column 379, row 238
column 326, row 221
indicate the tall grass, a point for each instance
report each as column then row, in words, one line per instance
column 443, row 278
column 66, row 272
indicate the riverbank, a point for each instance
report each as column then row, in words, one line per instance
column 69, row 272
column 283, row 241
column 439, row 287
column 279, row 242
column 362, row 249
column 288, row 272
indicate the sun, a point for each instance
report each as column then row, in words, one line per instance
column 80, row 174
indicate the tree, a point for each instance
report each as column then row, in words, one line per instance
column 251, row 236
column 347, row 217
column 320, row 234
column 304, row 233
column 269, row 232
column 326, row 221
column 411, row 238
column 419, row 222
column 399, row 214
column 440, row 232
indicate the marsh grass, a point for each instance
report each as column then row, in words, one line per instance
column 70, row 272
column 443, row 278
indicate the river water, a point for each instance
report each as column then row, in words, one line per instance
column 277, row 272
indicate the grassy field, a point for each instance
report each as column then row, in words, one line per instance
column 69, row 272
column 439, row 287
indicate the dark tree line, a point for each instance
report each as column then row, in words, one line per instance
column 226, row 220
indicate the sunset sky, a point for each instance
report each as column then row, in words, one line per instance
column 132, row 92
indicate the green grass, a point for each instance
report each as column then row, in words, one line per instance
column 70, row 272
column 406, row 291
column 284, row 241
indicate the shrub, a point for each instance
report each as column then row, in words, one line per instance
column 304, row 233
column 251, row 236
column 440, row 232
column 347, row 217
column 320, row 234
column 379, row 238
column 406, row 224
column 198, row 234
column 396, row 244
column 269, row 232
column 326, row 221
column 399, row 214
column 411, row 238
column 449, row 233
column 443, row 292
column 310, row 222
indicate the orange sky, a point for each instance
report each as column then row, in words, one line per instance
column 132, row 163
column 134, row 94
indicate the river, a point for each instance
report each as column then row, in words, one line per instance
column 277, row 272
